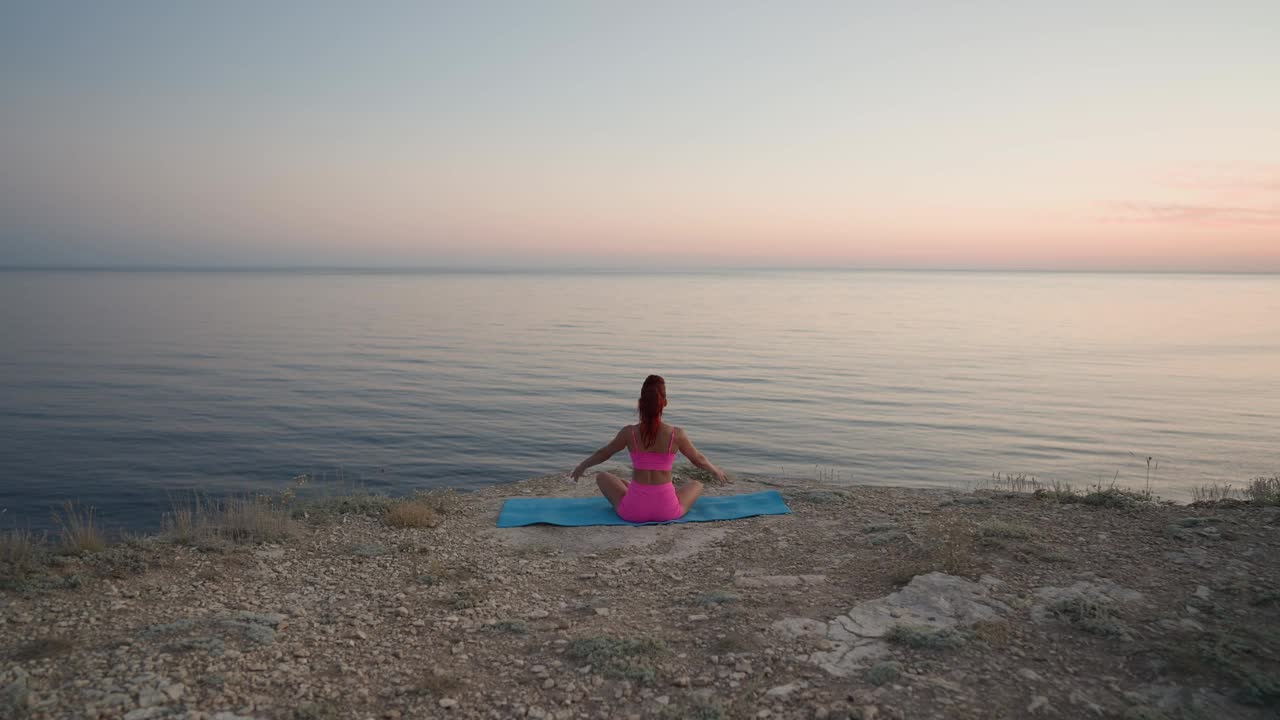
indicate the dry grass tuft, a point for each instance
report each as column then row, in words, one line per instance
column 237, row 518
column 79, row 529
column 412, row 514
column 994, row 634
column 1213, row 493
column 249, row 519
column 182, row 523
column 1018, row 483
column 20, row 552
column 1058, row 492
column 949, row 549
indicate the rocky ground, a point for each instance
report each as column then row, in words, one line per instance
column 866, row 602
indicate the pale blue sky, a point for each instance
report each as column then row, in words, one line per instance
column 1107, row 135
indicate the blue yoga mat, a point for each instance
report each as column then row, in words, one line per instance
column 579, row 511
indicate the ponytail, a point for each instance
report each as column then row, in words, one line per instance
column 653, row 396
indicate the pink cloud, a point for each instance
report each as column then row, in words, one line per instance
column 1193, row 214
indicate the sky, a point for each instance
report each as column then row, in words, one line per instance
column 1119, row 135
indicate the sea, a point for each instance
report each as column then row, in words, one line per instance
column 125, row 390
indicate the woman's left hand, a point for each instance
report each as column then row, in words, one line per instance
column 577, row 473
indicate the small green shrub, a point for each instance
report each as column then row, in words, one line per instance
column 921, row 637
column 618, row 658
column 1113, row 497
column 1088, row 615
column 883, row 673
column 1264, row 490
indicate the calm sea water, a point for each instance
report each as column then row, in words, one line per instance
column 122, row 389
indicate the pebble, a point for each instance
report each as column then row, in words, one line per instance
column 448, row 702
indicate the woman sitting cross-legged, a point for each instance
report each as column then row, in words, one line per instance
column 650, row 496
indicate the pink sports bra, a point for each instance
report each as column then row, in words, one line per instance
column 644, row 460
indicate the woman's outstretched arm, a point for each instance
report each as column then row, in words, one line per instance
column 686, row 447
column 617, row 443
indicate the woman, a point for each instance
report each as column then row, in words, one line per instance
column 650, row 496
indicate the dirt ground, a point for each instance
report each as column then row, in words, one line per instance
column 1065, row 610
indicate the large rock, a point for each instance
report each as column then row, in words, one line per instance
column 935, row 601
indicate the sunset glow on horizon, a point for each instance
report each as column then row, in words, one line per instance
column 1130, row 136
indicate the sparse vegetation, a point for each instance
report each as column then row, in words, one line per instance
column 1114, row 497
column 883, row 673
column 441, row 500
column 20, row 555
column 360, row 502
column 412, row 514
column 1088, row 615
column 381, row 612
column 236, row 518
column 1213, row 493
column 618, row 657
column 79, row 529
column 1019, row 483
column 921, row 637
column 1057, row 492
column 1264, row 490
column 1097, row 495
column 948, row 548
column 994, row 634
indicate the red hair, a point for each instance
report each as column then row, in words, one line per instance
column 653, row 397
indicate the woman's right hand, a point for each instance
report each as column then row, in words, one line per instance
column 577, row 473
column 721, row 477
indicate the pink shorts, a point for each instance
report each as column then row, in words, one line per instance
column 650, row 503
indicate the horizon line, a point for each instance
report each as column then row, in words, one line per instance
column 608, row 269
